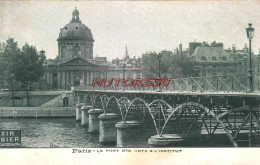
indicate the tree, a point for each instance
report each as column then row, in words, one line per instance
column 29, row 67
column 172, row 66
column 9, row 53
column 186, row 65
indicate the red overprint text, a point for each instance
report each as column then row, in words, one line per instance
column 129, row 82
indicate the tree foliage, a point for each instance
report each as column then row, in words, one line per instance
column 171, row 66
column 9, row 52
column 30, row 65
column 24, row 65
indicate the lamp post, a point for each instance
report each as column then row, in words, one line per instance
column 258, row 76
column 124, row 65
column 250, row 34
column 159, row 59
column 12, row 86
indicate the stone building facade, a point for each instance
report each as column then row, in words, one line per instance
column 74, row 65
column 212, row 59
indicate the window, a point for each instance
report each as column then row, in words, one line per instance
column 224, row 58
column 63, row 52
column 77, row 51
column 203, row 72
column 213, row 58
column 16, row 98
column 203, row 58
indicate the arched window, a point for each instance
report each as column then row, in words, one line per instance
column 76, row 51
column 63, row 52
column 224, row 58
column 203, row 58
column 213, row 58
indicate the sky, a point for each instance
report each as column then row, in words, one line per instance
column 141, row 25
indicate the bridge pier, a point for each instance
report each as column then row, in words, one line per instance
column 78, row 111
column 132, row 133
column 85, row 115
column 166, row 140
column 94, row 120
column 107, row 129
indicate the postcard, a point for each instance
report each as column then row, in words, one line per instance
column 123, row 82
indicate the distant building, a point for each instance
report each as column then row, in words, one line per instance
column 75, row 65
column 133, row 67
column 212, row 59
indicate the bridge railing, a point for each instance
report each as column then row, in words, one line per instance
column 223, row 83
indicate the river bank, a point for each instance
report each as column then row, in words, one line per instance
column 36, row 112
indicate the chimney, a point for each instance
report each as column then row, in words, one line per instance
column 245, row 48
column 42, row 52
column 233, row 48
column 180, row 49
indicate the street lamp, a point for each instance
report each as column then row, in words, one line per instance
column 159, row 59
column 12, row 86
column 250, row 34
column 124, row 65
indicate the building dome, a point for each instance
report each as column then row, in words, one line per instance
column 75, row 30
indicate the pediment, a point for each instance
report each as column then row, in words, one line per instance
column 77, row 62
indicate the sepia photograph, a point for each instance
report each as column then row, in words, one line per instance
column 130, row 76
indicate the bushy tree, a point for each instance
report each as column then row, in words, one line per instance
column 9, row 53
column 24, row 65
column 186, row 65
column 29, row 67
column 172, row 66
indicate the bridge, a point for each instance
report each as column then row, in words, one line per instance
column 189, row 108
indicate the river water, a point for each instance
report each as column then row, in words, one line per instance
column 61, row 132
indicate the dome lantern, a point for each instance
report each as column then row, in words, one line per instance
column 75, row 30
column 75, row 16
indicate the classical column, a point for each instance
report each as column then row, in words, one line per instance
column 67, row 78
column 58, row 79
column 72, row 78
column 48, row 77
column 83, row 77
column 86, row 74
column 51, row 79
column 63, row 79
column 89, row 77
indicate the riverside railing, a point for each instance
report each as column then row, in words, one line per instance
column 223, row 83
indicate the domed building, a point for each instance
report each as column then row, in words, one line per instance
column 75, row 39
column 74, row 65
